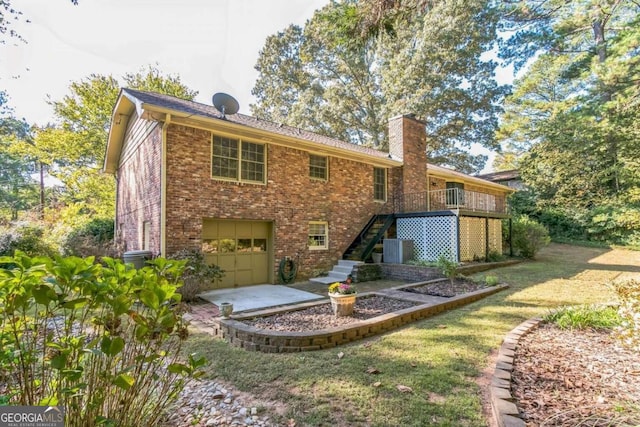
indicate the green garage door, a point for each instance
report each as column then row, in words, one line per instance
column 240, row 248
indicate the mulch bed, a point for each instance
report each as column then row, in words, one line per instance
column 446, row 289
column 321, row 316
column 576, row 377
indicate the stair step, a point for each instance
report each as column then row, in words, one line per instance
column 343, row 269
column 340, row 272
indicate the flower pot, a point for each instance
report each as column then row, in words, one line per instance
column 226, row 308
column 376, row 257
column 342, row 304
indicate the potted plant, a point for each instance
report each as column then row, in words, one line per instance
column 343, row 297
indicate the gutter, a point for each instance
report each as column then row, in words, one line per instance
column 163, row 187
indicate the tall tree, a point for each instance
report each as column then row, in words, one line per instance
column 574, row 109
column 73, row 148
column 17, row 188
column 335, row 79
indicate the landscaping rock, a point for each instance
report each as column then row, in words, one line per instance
column 207, row 403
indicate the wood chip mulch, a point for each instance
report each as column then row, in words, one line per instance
column 576, row 378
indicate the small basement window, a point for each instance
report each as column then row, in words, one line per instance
column 318, row 235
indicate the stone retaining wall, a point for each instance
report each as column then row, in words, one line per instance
column 503, row 403
column 241, row 335
column 415, row 273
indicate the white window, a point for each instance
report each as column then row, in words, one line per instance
column 318, row 235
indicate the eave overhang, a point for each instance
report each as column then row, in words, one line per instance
column 127, row 104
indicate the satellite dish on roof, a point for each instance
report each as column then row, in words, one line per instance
column 226, row 104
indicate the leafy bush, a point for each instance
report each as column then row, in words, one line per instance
column 101, row 341
column 629, row 310
column 198, row 275
column 25, row 238
column 615, row 224
column 583, row 317
column 491, row 280
column 421, row 263
column 528, row 236
column 448, row 267
column 94, row 238
column 494, row 256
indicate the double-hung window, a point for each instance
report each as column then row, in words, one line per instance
column 318, row 167
column 380, row 184
column 318, row 235
column 238, row 160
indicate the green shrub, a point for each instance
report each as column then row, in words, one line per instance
column 583, row 317
column 491, row 280
column 629, row 294
column 94, row 238
column 528, row 237
column 494, row 256
column 198, row 275
column 448, row 267
column 24, row 238
column 104, row 342
column 421, row 263
column 615, row 224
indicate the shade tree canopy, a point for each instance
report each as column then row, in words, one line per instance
column 331, row 78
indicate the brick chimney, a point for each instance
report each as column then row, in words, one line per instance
column 408, row 142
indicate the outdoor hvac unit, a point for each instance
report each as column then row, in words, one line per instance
column 397, row 251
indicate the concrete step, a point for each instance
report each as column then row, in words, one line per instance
column 339, row 273
column 348, row 263
column 343, row 269
column 326, row 280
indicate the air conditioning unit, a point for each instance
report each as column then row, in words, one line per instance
column 397, row 251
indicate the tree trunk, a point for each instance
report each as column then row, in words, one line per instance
column 610, row 141
column 41, row 214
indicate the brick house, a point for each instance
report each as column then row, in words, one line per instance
column 250, row 193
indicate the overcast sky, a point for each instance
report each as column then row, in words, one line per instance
column 211, row 44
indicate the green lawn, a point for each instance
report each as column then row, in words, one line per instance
column 439, row 358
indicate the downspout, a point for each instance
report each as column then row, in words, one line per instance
column 163, row 188
column 458, row 238
column 428, row 191
column 510, row 237
column 115, row 221
column 486, row 238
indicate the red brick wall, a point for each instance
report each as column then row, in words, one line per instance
column 289, row 199
column 407, row 141
column 138, row 185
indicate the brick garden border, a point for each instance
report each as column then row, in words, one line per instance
column 241, row 335
column 503, row 403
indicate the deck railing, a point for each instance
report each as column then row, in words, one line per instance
column 451, row 198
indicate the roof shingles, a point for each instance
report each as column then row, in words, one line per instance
column 210, row 112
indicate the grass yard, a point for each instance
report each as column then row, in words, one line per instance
column 439, row 359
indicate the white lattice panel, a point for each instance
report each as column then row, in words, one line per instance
column 495, row 235
column 432, row 236
column 472, row 238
